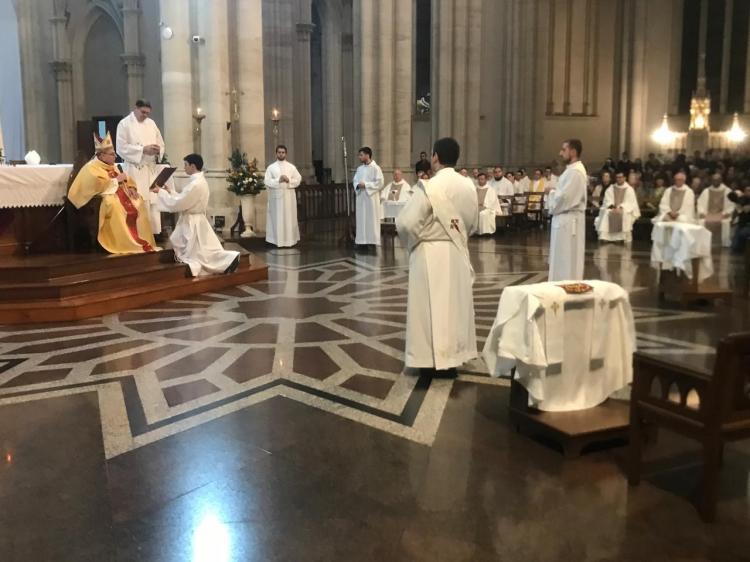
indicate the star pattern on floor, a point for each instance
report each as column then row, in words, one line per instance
column 330, row 335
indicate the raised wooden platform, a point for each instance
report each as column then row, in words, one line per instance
column 63, row 287
column 573, row 431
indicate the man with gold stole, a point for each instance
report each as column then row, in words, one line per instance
column 124, row 226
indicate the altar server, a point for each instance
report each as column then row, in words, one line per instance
column 567, row 204
column 141, row 146
column 368, row 183
column 282, row 178
column 193, row 240
column 434, row 227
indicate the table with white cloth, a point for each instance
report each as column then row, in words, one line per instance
column 391, row 209
column 569, row 351
column 677, row 244
column 33, row 186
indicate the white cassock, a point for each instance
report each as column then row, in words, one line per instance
column 614, row 227
column 489, row 206
column 713, row 206
column 503, row 187
column 679, row 200
column 522, row 186
column 435, row 226
column 193, row 240
column 132, row 136
column 282, row 228
column 551, row 181
column 567, row 204
column 368, row 203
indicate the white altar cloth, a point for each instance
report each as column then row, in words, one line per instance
column 570, row 351
column 391, row 209
column 676, row 244
column 33, row 186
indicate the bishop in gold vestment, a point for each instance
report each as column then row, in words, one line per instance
column 124, row 226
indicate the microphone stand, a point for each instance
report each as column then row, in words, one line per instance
column 349, row 236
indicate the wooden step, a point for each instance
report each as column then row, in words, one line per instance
column 136, row 295
column 93, row 281
column 43, row 267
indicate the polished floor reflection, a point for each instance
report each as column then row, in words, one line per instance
column 273, row 422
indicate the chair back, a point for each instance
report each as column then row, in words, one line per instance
column 732, row 377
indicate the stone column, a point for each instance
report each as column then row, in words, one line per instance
column 302, row 94
column 176, row 80
column 62, row 69
column 332, row 95
column 457, row 37
column 403, row 91
column 726, row 53
column 249, row 31
column 368, row 74
column 214, row 82
column 132, row 57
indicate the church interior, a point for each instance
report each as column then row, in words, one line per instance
column 215, row 303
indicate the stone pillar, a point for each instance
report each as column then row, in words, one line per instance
column 726, row 53
column 214, row 82
column 132, row 57
column 249, row 31
column 332, row 55
column 302, row 93
column 457, row 39
column 403, row 91
column 62, row 69
column 176, row 80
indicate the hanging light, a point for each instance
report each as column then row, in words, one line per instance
column 736, row 134
column 663, row 135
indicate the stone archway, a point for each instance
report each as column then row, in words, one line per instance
column 104, row 78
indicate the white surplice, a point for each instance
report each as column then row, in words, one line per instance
column 282, row 228
column 489, row 208
column 368, row 203
column 132, row 136
column 567, row 204
column 522, row 186
column 630, row 212
column 708, row 215
column 193, row 240
column 686, row 212
column 440, row 329
column 503, row 187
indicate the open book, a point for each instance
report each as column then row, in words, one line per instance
column 163, row 177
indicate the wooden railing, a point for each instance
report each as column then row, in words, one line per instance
column 315, row 202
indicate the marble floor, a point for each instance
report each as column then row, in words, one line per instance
column 273, row 422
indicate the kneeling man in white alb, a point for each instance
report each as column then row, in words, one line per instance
column 193, row 240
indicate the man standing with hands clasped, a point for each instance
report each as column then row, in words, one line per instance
column 282, row 178
column 368, row 183
column 567, row 204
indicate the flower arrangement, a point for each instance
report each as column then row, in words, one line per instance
column 243, row 176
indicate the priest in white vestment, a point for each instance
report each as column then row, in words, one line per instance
column 715, row 211
column 434, row 227
column 282, row 178
column 618, row 212
column 502, row 186
column 550, row 179
column 399, row 189
column 523, row 183
column 193, row 240
column 677, row 203
column 368, row 183
column 567, row 205
column 489, row 206
column 140, row 144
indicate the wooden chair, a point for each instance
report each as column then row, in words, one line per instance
column 712, row 409
column 535, row 208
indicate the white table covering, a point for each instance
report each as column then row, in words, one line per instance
column 571, row 352
column 676, row 244
column 391, row 209
column 33, row 186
